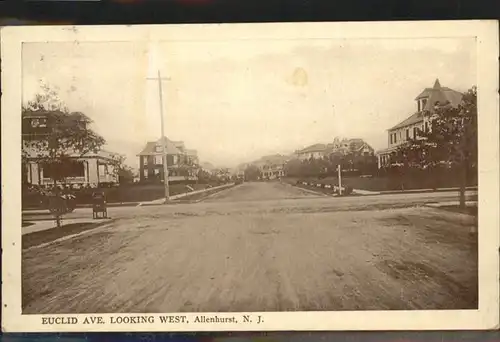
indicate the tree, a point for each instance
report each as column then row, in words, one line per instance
column 252, row 172
column 450, row 141
column 67, row 136
column 121, row 170
column 293, row 168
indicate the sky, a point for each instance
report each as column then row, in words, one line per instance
column 235, row 101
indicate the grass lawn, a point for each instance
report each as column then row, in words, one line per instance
column 44, row 236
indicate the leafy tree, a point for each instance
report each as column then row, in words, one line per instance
column 252, row 172
column 293, row 168
column 204, row 177
column 121, row 170
column 451, row 140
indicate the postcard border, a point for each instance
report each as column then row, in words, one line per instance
column 486, row 317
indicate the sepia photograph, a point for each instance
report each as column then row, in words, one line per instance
column 207, row 175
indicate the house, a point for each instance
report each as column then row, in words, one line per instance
column 182, row 163
column 315, row 151
column 271, row 166
column 419, row 121
column 355, row 146
column 89, row 169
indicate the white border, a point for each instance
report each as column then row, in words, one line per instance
column 486, row 32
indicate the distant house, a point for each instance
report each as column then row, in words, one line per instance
column 356, row 146
column 272, row 166
column 315, row 151
column 419, row 121
column 89, row 169
column 182, row 163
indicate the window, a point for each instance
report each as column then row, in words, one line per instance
column 418, row 105
column 415, row 132
column 407, row 134
column 158, row 148
column 426, row 126
column 158, row 160
column 157, row 172
column 145, row 173
column 395, row 138
column 424, row 102
column 145, row 161
column 390, row 137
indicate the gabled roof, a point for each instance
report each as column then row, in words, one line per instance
column 150, row 148
column 313, row 148
column 413, row 119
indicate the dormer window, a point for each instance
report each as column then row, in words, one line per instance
column 421, row 103
column 158, row 148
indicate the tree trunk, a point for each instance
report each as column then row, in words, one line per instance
column 463, row 184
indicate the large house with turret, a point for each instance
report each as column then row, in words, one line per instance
column 420, row 120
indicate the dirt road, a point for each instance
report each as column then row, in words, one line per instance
column 261, row 247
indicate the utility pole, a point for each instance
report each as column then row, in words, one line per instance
column 163, row 138
column 340, row 180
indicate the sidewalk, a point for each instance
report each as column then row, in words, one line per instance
column 425, row 190
column 410, row 191
column 452, row 203
column 37, row 211
column 38, row 226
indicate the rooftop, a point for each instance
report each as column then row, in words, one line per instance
column 150, row 148
column 435, row 95
column 313, row 148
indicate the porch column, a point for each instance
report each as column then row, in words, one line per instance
column 92, row 171
column 34, row 173
column 85, row 172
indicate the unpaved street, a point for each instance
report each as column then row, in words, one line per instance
column 262, row 247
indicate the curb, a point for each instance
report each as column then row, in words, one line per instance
column 176, row 199
column 322, row 194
